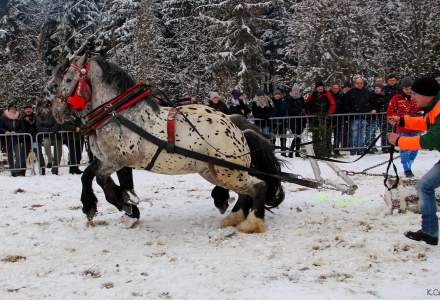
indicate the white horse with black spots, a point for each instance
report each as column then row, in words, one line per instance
column 216, row 136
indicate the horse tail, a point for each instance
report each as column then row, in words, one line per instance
column 263, row 159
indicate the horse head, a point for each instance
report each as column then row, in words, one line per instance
column 43, row 109
column 69, row 100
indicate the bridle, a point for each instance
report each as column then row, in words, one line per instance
column 82, row 93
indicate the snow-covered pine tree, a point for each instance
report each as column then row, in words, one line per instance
column 115, row 38
column 409, row 38
column 281, row 72
column 22, row 73
column 239, row 60
column 172, row 46
column 334, row 39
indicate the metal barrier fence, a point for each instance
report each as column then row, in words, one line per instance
column 47, row 150
column 14, row 153
column 337, row 132
column 52, row 150
column 59, row 149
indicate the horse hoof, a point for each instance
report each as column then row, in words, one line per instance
column 223, row 209
column 91, row 223
column 252, row 225
column 90, row 214
column 132, row 211
column 130, row 197
column 233, row 219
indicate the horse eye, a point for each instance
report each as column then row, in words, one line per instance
column 68, row 80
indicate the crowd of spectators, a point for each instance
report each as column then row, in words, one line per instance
column 344, row 116
column 19, row 129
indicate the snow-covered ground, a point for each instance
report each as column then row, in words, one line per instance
column 319, row 244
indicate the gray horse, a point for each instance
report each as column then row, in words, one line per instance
column 216, row 136
column 123, row 196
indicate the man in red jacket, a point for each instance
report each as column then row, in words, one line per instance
column 321, row 103
column 401, row 105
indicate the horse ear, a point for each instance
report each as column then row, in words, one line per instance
column 82, row 60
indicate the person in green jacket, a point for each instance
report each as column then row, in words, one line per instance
column 425, row 91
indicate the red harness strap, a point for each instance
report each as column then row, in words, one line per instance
column 95, row 119
column 171, row 129
column 99, row 110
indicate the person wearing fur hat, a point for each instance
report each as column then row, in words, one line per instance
column 262, row 111
column 426, row 93
column 216, row 103
column 237, row 105
column 402, row 104
column 10, row 124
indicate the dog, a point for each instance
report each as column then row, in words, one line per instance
column 404, row 198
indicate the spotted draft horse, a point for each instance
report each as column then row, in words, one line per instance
column 123, row 195
column 216, row 136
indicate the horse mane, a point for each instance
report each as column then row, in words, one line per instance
column 114, row 75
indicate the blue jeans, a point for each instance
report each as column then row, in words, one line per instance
column 264, row 126
column 358, row 135
column 371, row 131
column 426, row 188
column 407, row 157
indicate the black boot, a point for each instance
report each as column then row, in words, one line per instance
column 421, row 236
column 75, row 170
column 54, row 171
column 291, row 150
column 409, row 174
column 283, row 147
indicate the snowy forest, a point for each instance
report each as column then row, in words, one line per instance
column 196, row 46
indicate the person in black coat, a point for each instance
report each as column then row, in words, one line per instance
column 338, row 122
column 262, row 111
column 279, row 124
column 10, row 124
column 295, row 108
column 357, row 101
column 49, row 137
column 379, row 103
column 216, row 103
column 392, row 87
column 30, row 126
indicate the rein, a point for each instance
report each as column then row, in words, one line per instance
column 110, row 110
